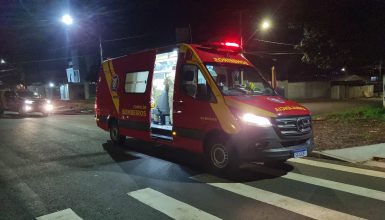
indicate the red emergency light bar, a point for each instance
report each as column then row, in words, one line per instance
column 231, row 44
column 226, row 46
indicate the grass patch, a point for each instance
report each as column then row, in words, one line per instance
column 367, row 112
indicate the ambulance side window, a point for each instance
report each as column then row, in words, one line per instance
column 195, row 85
column 136, row 82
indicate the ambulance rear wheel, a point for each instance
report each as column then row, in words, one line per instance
column 116, row 138
column 220, row 157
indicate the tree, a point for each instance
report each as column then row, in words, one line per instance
column 342, row 33
column 322, row 50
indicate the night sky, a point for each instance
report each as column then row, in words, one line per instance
column 34, row 40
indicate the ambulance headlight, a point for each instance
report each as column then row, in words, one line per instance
column 256, row 120
column 28, row 102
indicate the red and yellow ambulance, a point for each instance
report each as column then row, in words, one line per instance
column 203, row 98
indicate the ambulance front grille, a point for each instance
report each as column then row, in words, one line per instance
column 294, row 126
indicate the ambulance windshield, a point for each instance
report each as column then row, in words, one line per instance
column 237, row 80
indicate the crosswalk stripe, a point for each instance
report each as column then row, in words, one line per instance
column 357, row 190
column 169, row 206
column 284, row 202
column 66, row 214
column 339, row 167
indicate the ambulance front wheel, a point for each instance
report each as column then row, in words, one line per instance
column 116, row 138
column 220, row 157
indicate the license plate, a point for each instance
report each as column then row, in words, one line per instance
column 300, row 153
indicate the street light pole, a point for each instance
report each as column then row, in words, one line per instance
column 99, row 30
column 101, row 49
column 240, row 29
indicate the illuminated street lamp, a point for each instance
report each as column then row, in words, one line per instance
column 265, row 25
column 343, row 69
column 2, row 61
column 67, row 19
column 51, row 85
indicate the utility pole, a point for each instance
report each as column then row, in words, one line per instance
column 380, row 70
column 99, row 30
column 240, row 28
column 100, row 48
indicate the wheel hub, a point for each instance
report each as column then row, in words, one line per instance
column 219, row 156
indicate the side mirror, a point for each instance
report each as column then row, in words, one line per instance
column 190, row 89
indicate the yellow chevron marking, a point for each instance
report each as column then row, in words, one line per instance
column 110, row 73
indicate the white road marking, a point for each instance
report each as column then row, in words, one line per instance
column 169, row 206
column 339, row 167
column 66, row 214
column 357, row 190
column 33, row 202
column 284, row 202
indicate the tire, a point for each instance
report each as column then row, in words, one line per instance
column 221, row 158
column 116, row 138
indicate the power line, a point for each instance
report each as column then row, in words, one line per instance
column 272, row 53
column 54, row 59
column 273, row 42
column 124, row 38
column 49, row 60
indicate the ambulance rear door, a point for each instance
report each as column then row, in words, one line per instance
column 135, row 74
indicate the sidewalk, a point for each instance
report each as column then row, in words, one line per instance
column 372, row 155
column 74, row 107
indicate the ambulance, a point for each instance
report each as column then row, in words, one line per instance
column 208, row 99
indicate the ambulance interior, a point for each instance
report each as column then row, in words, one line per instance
column 163, row 91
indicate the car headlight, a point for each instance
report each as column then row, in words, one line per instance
column 256, row 120
column 27, row 108
column 28, row 102
column 48, row 107
column 48, row 101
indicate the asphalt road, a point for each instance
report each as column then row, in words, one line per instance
column 64, row 167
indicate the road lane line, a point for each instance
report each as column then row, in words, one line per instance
column 169, row 206
column 284, row 202
column 339, row 167
column 66, row 214
column 357, row 190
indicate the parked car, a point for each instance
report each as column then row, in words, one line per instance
column 24, row 102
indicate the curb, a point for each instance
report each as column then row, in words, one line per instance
column 319, row 154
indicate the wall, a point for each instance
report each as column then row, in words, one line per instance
column 305, row 90
column 338, row 92
column 360, row 91
column 344, row 91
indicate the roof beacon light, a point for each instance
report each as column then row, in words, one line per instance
column 231, row 44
